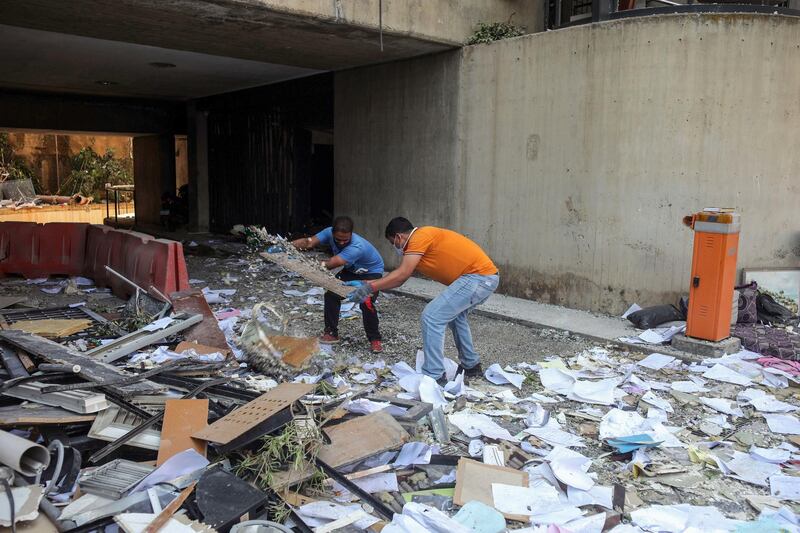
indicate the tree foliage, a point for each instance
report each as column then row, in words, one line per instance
column 91, row 171
column 487, row 32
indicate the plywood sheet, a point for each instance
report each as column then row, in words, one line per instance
column 182, row 418
column 206, row 332
column 295, row 350
column 362, row 437
column 53, row 327
column 474, row 482
column 323, row 279
column 246, row 417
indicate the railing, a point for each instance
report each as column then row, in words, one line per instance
column 565, row 13
column 122, row 200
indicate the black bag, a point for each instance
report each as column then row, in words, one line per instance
column 651, row 317
column 771, row 312
column 748, row 314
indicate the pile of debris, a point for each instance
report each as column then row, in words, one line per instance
column 187, row 413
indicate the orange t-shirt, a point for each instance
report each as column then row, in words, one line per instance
column 447, row 255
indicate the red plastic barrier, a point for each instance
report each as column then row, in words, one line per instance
column 71, row 249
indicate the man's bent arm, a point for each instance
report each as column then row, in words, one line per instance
column 306, row 243
column 399, row 275
column 335, row 262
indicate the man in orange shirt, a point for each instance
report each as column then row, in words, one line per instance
column 453, row 260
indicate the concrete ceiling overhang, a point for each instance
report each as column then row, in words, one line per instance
column 243, row 29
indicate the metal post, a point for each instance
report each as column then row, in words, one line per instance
column 601, row 9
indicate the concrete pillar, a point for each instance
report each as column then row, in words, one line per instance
column 197, row 128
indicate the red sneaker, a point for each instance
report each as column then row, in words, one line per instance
column 327, row 338
column 375, row 346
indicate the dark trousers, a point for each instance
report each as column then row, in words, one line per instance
column 333, row 304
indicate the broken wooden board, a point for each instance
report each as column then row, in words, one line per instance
column 295, row 350
column 91, row 370
column 53, row 327
column 8, row 301
column 474, row 482
column 317, row 277
column 206, row 332
column 182, row 418
column 362, row 437
column 35, row 414
column 238, row 423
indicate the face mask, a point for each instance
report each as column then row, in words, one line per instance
column 399, row 250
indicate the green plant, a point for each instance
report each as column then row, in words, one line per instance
column 91, row 171
column 14, row 167
column 486, row 32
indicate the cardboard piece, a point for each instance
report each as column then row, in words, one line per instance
column 53, row 327
column 362, row 437
column 296, row 350
column 201, row 349
column 206, row 332
column 250, row 415
column 474, row 482
column 182, row 418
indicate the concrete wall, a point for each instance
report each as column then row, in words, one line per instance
column 396, row 139
column 578, row 151
column 438, row 20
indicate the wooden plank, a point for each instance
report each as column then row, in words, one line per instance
column 322, row 279
column 91, row 370
column 165, row 515
column 474, row 482
column 246, row 417
column 53, row 327
column 362, row 437
column 206, row 332
column 181, row 419
column 37, row 414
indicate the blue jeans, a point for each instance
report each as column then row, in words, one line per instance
column 450, row 308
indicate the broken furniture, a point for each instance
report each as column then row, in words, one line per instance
column 114, row 479
column 207, row 331
column 182, row 418
column 223, row 499
column 127, row 344
column 90, row 369
column 8, row 317
column 265, row 414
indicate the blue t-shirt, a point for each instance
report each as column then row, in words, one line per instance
column 361, row 256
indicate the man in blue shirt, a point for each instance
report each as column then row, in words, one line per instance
column 361, row 261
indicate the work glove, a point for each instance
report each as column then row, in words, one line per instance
column 276, row 249
column 362, row 293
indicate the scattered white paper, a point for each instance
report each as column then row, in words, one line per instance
column 178, row 465
column 597, row 495
column 651, row 398
column 381, row 482
column 556, row 380
column 687, row 387
column 783, row 424
column 525, row 501
column 475, row 424
column 599, row 392
column 552, row 434
column 570, row 468
column 770, row 455
column 766, row 403
column 364, row 406
column 319, row 513
column 751, row 470
column 722, row 405
column 619, row 423
column 414, row 453
column 723, row 373
column 433, row 520
column 656, row 361
column 493, row 455
column 161, row 323
column 431, row 392
column 495, row 374
column 632, row 309
column 785, row 487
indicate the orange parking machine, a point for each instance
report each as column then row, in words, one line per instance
column 716, row 244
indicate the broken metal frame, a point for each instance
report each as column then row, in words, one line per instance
column 365, row 496
column 230, row 393
column 9, row 316
column 114, row 479
column 127, row 344
column 415, row 409
column 169, row 365
column 150, row 421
